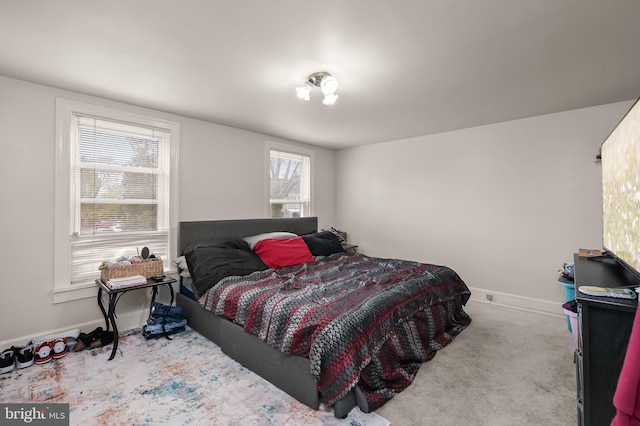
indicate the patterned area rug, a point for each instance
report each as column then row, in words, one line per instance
column 187, row 380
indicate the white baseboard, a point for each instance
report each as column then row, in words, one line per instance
column 518, row 302
column 125, row 321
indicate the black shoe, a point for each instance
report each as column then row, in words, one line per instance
column 7, row 360
column 85, row 340
column 24, row 355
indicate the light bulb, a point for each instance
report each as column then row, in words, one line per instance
column 328, row 85
column 304, row 91
column 330, row 99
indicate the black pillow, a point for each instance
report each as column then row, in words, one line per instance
column 323, row 243
column 230, row 242
column 211, row 261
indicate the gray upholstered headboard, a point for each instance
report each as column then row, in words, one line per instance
column 193, row 232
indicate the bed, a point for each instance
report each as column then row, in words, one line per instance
column 385, row 320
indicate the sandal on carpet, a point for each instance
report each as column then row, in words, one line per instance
column 86, row 339
column 106, row 338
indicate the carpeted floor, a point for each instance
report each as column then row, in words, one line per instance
column 187, row 380
column 508, row 367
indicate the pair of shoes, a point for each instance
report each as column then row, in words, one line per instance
column 86, row 339
column 51, row 349
column 16, row 356
column 69, row 335
column 105, row 338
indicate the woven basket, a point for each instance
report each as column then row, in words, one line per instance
column 148, row 268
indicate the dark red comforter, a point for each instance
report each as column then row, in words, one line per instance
column 358, row 319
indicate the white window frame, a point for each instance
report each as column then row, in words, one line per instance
column 63, row 289
column 290, row 149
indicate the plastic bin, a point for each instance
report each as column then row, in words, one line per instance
column 574, row 326
column 569, row 295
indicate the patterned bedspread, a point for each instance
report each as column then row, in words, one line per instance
column 357, row 318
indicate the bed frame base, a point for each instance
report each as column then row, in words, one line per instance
column 289, row 373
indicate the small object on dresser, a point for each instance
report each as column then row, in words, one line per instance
column 620, row 292
column 589, row 252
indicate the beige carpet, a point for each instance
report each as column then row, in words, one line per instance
column 509, row 367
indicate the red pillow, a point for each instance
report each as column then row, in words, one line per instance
column 281, row 252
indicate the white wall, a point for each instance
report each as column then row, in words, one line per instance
column 222, row 172
column 504, row 205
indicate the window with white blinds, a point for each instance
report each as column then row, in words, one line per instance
column 119, row 192
column 116, row 192
column 290, row 184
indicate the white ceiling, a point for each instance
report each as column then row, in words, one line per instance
column 406, row 68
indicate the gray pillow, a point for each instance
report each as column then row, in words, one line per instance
column 253, row 240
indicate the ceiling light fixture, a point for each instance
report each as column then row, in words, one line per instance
column 327, row 83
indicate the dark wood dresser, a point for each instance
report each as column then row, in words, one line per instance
column 605, row 328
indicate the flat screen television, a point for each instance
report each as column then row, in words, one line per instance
column 620, row 153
